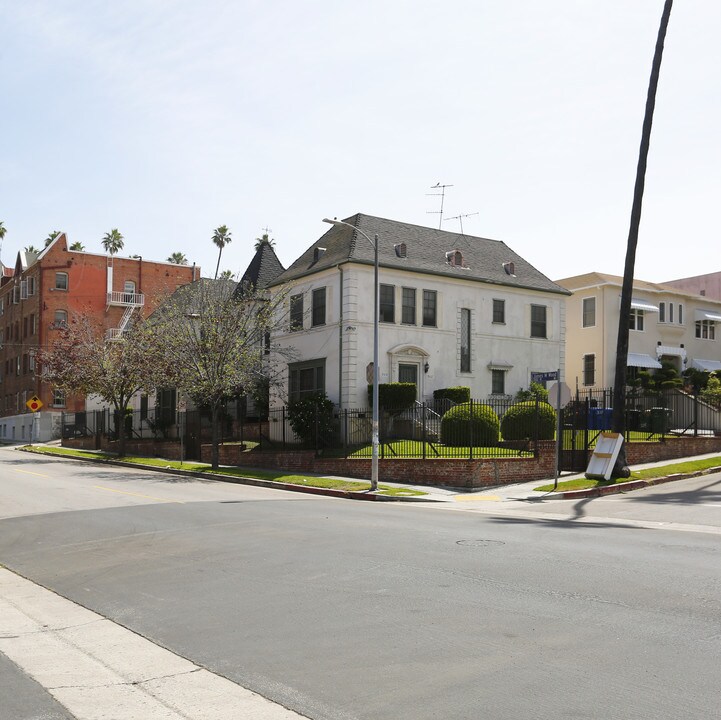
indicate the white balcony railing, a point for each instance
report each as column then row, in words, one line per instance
column 126, row 299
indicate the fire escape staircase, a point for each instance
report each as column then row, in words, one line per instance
column 131, row 302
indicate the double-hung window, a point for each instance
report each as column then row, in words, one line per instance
column 306, row 378
column 408, row 308
column 589, row 312
column 318, row 311
column 387, row 309
column 498, row 382
column 499, row 312
column 538, row 321
column 635, row 320
column 61, row 281
column 430, row 302
column 296, row 312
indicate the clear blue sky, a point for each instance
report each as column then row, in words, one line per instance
column 168, row 118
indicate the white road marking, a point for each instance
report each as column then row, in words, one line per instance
column 99, row 670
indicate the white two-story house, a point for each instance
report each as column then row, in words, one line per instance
column 454, row 310
column 666, row 325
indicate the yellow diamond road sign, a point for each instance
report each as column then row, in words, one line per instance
column 35, row 403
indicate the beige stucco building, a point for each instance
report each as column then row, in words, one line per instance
column 667, row 324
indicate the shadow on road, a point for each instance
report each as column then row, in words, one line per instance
column 710, row 493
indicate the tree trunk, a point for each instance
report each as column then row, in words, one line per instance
column 619, row 391
column 215, row 440
column 120, row 422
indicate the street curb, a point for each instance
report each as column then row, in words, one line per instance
column 629, row 486
column 239, row 480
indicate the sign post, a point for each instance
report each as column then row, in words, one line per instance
column 559, row 395
column 34, row 404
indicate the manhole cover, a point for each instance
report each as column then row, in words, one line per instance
column 480, row 543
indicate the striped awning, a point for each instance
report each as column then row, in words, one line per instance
column 706, row 365
column 638, row 304
column 499, row 365
column 708, row 315
column 642, row 361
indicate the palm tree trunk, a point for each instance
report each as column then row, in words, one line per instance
column 619, row 391
column 217, row 267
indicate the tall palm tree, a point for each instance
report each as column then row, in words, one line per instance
column 264, row 240
column 221, row 237
column 52, row 237
column 178, row 258
column 113, row 241
column 618, row 419
column 3, row 230
column 77, row 246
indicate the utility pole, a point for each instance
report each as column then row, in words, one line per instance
column 618, row 420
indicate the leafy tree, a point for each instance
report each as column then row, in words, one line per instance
column 113, row 241
column 52, row 237
column 178, row 258
column 221, row 237
column 226, row 275
column 212, row 334
column 712, row 392
column 31, row 249
column 535, row 390
column 3, row 231
column 77, row 246
column 82, row 361
column 264, row 239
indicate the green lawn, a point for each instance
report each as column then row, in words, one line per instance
column 689, row 466
column 274, row 476
column 414, row 449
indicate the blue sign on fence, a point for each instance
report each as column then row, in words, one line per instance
column 543, row 377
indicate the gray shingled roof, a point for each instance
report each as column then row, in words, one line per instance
column 263, row 268
column 483, row 259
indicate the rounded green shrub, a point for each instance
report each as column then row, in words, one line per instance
column 519, row 422
column 470, row 424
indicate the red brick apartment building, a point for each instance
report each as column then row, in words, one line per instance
column 40, row 295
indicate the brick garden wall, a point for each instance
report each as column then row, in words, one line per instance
column 479, row 473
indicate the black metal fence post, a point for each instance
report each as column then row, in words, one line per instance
column 471, row 438
column 425, row 434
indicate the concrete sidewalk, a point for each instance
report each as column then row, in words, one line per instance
column 527, row 491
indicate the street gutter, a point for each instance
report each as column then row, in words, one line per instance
column 629, row 486
column 240, row 480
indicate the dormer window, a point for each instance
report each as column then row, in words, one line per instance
column 401, row 250
column 510, row 268
column 454, row 258
column 318, row 253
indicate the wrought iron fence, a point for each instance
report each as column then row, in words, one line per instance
column 419, row 431
column 424, row 430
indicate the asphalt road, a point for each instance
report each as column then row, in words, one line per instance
column 340, row 609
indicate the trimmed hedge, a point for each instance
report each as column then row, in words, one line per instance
column 519, row 422
column 459, row 394
column 470, row 424
column 394, row 396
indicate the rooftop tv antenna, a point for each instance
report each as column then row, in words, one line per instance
column 442, row 195
column 460, row 218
